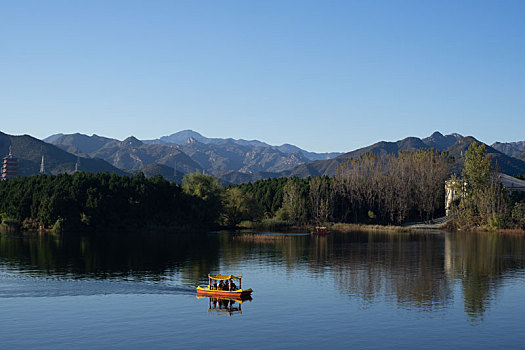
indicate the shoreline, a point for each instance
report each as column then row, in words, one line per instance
column 112, row 230
column 336, row 227
column 349, row 227
column 284, row 228
column 345, row 228
column 501, row 231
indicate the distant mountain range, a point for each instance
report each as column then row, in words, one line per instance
column 512, row 149
column 30, row 150
column 182, row 137
column 189, row 151
column 454, row 144
column 130, row 154
column 233, row 161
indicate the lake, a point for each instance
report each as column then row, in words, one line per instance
column 361, row 290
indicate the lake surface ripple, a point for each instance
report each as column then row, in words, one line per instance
column 361, row 290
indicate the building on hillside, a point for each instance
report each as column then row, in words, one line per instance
column 9, row 166
column 452, row 191
column 512, row 184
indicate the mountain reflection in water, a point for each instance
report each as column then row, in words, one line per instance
column 417, row 271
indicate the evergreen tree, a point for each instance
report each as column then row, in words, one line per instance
column 477, row 169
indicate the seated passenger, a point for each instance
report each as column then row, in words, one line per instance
column 234, row 287
column 214, row 287
column 221, row 285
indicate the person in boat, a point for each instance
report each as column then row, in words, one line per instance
column 225, row 287
column 234, row 287
column 214, row 287
column 221, row 285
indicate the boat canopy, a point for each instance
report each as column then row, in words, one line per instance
column 224, row 277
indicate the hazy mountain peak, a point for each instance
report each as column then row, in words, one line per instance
column 52, row 138
column 132, row 141
column 182, row 137
column 436, row 134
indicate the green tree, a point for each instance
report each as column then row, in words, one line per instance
column 484, row 200
column 477, row 169
column 207, row 188
column 238, row 206
column 518, row 215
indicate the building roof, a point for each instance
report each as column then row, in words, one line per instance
column 510, row 181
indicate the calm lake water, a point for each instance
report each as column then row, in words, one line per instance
column 359, row 290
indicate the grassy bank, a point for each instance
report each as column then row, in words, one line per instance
column 268, row 225
column 452, row 226
column 286, row 226
column 484, row 229
column 343, row 227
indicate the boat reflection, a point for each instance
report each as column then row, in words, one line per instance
column 225, row 305
column 420, row 271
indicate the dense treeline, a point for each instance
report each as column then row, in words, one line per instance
column 370, row 189
column 96, row 201
column 391, row 189
column 267, row 193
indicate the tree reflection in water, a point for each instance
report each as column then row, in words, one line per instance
column 141, row 257
column 412, row 270
column 481, row 261
column 404, row 268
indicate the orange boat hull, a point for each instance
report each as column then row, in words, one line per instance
column 238, row 294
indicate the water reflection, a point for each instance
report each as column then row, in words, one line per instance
column 418, row 271
column 225, row 305
column 102, row 256
column 481, row 261
column 407, row 269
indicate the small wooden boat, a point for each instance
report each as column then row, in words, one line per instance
column 228, row 290
column 320, row 231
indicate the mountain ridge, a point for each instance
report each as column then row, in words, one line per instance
column 454, row 144
column 237, row 161
column 512, row 149
column 219, row 156
column 181, row 137
column 29, row 151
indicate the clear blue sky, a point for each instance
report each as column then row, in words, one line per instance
column 324, row 75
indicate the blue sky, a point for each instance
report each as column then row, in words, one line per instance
column 323, row 75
